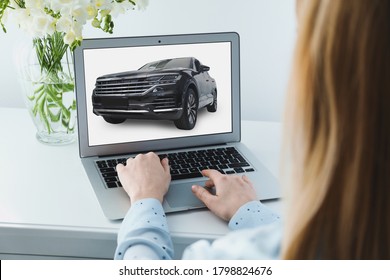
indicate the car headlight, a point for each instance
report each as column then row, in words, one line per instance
column 167, row 79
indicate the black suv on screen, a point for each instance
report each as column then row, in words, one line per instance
column 170, row 89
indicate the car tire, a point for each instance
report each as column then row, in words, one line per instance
column 213, row 106
column 189, row 116
column 114, row 120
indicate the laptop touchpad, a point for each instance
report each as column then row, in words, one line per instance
column 180, row 195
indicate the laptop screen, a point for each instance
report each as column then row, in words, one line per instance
column 155, row 92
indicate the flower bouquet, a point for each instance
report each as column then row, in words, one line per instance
column 47, row 66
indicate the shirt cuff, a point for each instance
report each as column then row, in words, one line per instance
column 143, row 213
column 252, row 214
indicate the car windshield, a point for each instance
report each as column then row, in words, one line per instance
column 168, row 64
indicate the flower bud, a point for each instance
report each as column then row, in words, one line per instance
column 96, row 23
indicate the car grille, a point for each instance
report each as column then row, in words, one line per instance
column 130, row 86
column 123, row 86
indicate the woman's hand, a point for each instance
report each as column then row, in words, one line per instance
column 231, row 192
column 145, row 176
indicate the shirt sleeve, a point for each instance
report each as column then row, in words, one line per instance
column 144, row 233
column 257, row 235
column 259, row 243
column 252, row 214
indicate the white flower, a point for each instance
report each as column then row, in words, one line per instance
column 79, row 13
column 91, row 11
column 57, row 5
column 42, row 25
column 142, row 4
column 121, row 8
column 22, row 18
column 78, row 30
column 69, row 37
column 64, row 24
column 44, row 17
column 73, row 34
column 103, row 4
column 34, row 4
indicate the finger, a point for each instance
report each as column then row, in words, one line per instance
column 209, row 184
column 212, row 174
column 165, row 164
column 203, row 195
column 152, row 154
column 119, row 167
column 129, row 160
column 139, row 156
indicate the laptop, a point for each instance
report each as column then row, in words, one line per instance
column 175, row 95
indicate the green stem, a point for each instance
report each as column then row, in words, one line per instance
column 67, row 63
column 43, row 114
column 58, row 102
column 37, row 99
column 50, row 51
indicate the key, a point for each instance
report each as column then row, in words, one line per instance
column 186, row 176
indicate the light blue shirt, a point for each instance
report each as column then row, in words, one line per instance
column 144, row 234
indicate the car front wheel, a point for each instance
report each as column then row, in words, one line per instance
column 114, row 120
column 190, row 111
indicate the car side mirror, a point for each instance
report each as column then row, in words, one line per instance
column 204, row 68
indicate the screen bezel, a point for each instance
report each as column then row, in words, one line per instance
column 160, row 144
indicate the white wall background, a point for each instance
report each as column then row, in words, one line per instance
column 266, row 27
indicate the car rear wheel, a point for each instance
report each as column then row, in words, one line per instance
column 213, row 106
column 190, row 111
column 114, row 120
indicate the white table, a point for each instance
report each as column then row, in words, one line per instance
column 49, row 210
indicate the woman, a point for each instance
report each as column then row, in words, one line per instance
column 338, row 136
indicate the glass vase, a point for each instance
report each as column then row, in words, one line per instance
column 47, row 78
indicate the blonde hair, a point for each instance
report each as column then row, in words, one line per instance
column 338, row 132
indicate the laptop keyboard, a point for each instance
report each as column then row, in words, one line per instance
column 185, row 165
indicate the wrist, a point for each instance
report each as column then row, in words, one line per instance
column 135, row 198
